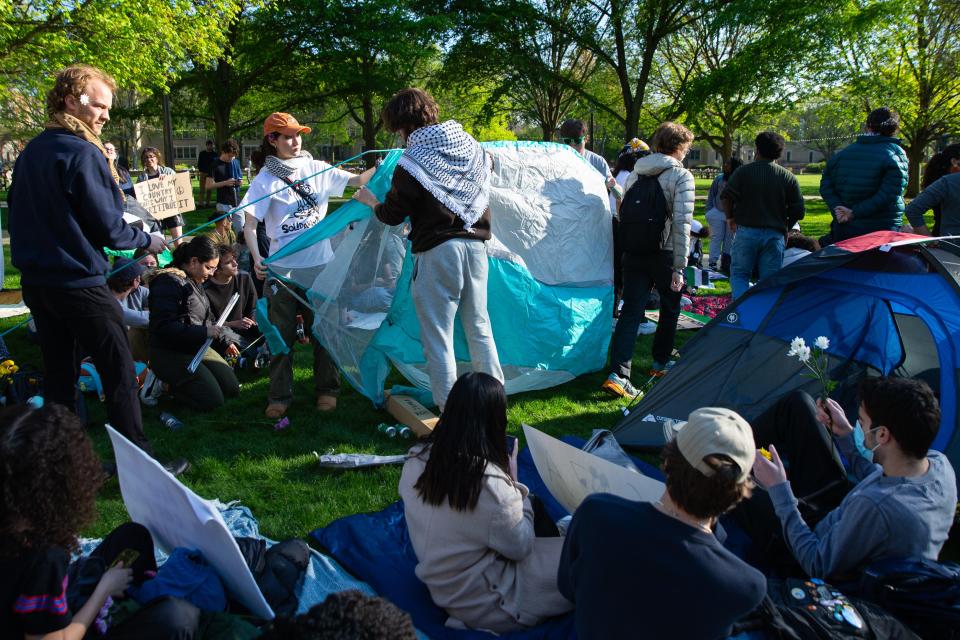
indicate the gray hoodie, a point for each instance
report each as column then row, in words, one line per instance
column 678, row 188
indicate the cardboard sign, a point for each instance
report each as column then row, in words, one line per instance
column 177, row 517
column 167, row 195
column 413, row 414
column 686, row 322
column 571, row 474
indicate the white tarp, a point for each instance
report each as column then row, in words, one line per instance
column 177, row 517
column 550, row 208
column 571, row 474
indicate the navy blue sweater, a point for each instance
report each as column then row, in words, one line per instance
column 633, row 572
column 64, row 208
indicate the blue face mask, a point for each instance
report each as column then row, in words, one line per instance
column 858, row 440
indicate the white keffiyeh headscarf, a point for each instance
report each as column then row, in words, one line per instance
column 452, row 167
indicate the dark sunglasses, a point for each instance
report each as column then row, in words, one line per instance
column 577, row 140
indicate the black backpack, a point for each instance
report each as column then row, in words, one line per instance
column 643, row 216
column 923, row 593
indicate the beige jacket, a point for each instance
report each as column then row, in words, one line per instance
column 484, row 567
column 678, row 188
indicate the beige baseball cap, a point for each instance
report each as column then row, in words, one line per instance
column 715, row 430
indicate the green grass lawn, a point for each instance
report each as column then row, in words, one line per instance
column 237, row 455
column 809, row 184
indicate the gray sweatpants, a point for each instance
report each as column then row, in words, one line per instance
column 448, row 277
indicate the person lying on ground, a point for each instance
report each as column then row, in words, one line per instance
column 49, row 478
column 181, row 320
column 624, row 562
column 471, row 522
column 903, row 502
column 301, row 188
column 442, row 184
column 220, row 287
column 346, row 615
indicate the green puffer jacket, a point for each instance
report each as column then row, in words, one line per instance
column 867, row 176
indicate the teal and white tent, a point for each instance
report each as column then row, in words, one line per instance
column 550, row 280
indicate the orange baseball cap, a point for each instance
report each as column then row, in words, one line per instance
column 283, row 123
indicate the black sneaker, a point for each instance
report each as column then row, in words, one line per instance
column 177, row 467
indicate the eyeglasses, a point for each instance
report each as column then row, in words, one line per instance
column 577, row 140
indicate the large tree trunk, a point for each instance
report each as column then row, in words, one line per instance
column 915, row 158
column 370, row 127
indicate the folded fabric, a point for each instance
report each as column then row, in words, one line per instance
column 186, row 575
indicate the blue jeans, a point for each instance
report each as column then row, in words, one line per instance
column 754, row 248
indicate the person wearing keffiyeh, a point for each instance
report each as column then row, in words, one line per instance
column 442, row 182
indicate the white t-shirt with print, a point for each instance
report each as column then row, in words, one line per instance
column 287, row 214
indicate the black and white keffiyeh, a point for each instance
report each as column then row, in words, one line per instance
column 452, row 166
column 286, row 168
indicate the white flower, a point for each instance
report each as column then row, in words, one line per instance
column 795, row 345
column 822, row 343
column 84, row 99
column 803, row 353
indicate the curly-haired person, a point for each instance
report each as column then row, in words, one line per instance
column 347, row 615
column 49, row 477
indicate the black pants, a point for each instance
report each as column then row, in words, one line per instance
column 640, row 273
column 74, row 323
column 814, row 469
column 161, row 619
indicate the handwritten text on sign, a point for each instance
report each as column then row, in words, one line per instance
column 167, row 195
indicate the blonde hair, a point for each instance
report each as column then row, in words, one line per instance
column 72, row 81
column 670, row 136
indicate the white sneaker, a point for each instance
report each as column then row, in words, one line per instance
column 151, row 390
column 646, row 328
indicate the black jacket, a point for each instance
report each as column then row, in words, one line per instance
column 180, row 313
column 64, row 209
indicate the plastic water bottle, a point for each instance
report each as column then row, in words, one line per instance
column 389, row 430
column 170, row 421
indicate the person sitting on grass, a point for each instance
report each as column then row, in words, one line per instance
column 902, row 505
column 181, row 320
column 624, row 562
column 49, row 478
column 147, row 258
column 220, row 287
column 471, row 522
column 798, row 246
column 134, row 303
column 222, row 231
column 345, row 615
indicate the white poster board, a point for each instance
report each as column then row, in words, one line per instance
column 571, row 474
column 167, row 195
column 177, row 517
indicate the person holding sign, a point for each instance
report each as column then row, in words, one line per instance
column 181, row 320
column 65, row 206
column 152, row 169
column 625, row 561
column 50, row 476
column 288, row 213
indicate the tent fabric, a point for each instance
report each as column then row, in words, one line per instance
column 888, row 310
column 550, row 316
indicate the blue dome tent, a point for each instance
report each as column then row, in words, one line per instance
column 889, row 303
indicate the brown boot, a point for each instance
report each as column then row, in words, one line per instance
column 326, row 403
column 275, row 410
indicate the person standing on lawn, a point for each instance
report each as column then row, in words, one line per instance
column 287, row 214
column 204, row 159
column 863, row 182
column 762, row 201
column 442, row 182
column 662, row 267
column 65, row 206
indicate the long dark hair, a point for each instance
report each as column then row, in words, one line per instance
column 202, row 248
column 626, row 161
column 940, row 164
column 266, row 148
column 472, row 432
column 734, row 163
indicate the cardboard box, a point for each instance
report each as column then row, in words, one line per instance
column 413, row 414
